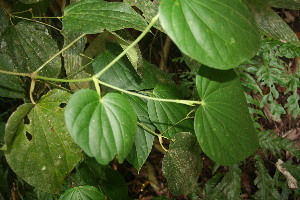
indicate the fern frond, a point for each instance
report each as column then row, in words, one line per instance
column 276, row 144
column 264, row 182
column 230, row 186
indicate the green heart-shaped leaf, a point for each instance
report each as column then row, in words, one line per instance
column 219, row 33
column 85, row 192
column 223, row 125
column 104, row 128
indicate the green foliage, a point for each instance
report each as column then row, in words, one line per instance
column 162, row 114
column 103, row 128
column 264, row 182
column 269, row 142
column 41, row 151
column 182, row 164
column 216, row 39
column 272, row 71
column 82, row 53
column 93, row 16
column 83, row 193
column 228, row 188
column 110, row 182
column 221, row 117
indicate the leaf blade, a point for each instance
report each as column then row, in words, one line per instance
column 203, row 31
column 218, row 122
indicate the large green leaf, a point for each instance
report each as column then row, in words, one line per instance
column 165, row 114
column 93, row 16
column 182, row 164
column 85, row 192
column 30, row 45
column 10, row 86
column 104, row 128
column 223, row 124
column 121, row 74
column 42, row 152
column 219, row 33
column 143, row 139
column 270, row 22
column 109, row 181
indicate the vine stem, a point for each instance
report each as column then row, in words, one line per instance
column 129, row 47
column 58, row 53
column 15, row 73
column 186, row 102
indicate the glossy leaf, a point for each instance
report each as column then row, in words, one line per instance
column 165, row 114
column 109, row 181
column 182, row 164
column 10, row 86
column 271, row 23
column 143, row 139
column 223, row 124
column 42, row 152
column 85, row 192
column 121, row 74
column 93, row 16
column 104, row 128
column 30, row 45
column 214, row 33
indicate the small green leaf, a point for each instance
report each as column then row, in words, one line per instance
column 42, row 152
column 104, row 128
column 214, row 33
column 30, row 45
column 93, row 16
column 85, row 192
column 10, row 86
column 109, row 181
column 121, row 74
column 223, row 124
column 143, row 139
column 165, row 114
column 182, row 165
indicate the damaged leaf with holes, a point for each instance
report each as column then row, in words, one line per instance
column 40, row 150
column 182, row 164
